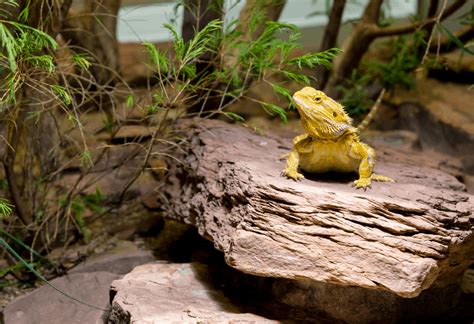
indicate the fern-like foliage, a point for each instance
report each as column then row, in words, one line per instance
column 267, row 58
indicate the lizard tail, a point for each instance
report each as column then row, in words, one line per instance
column 364, row 123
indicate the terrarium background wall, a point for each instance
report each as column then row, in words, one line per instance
column 142, row 20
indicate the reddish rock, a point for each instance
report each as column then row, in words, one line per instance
column 402, row 237
column 173, row 293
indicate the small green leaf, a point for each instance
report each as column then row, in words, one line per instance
column 5, row 208
column 82, row 60
column 281, row 91
column 130, row 100
column 454, row 39
column 297, row 77
column 24, row 14
column 43, row 61
column 86, row 158
column 108, row 124
column 178, row 42
column 34, row 115
column 62, row 93
column 235, row 117
column 274, row 109
column 311, row 60
column 8, row 43
column 159, row 59
column 158, row 98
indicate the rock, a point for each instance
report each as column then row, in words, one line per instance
column 194, row 289
column 468, row 281
column 173, row 293
column 358, row 305
column 402, row 237
column 442, row 114
column 120, row 260
column 129, row 133
column 469, row 181
column 46, row 305
column 395, row 138
column 111, row 182
column 89, row 282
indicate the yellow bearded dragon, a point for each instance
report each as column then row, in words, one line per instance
column 330, row 143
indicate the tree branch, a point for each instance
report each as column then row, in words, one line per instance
column 464, row 34
column 9, row 157
column 330, row 38
column 372, row 11
column 332, row 28
column 197, row 14
column 433, row 8
column 410, row 27
column 65, row 9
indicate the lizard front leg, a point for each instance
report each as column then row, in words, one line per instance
column 366, row 154
column 292, row 163
column 366, row 166
column 301, row 144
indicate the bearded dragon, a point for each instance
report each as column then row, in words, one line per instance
column 330, row 142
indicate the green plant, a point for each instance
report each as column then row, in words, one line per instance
column 268, row 57
column 354, row 95
column 406, row 57
column 5, row 208
column 35, row 96
column 80, row 204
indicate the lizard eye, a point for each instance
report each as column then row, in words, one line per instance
column 317, row 99
column 334, row 114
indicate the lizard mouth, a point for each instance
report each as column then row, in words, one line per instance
column 317, row 124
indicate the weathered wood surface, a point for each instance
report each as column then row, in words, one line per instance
column 402, row 237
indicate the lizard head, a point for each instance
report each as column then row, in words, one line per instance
column 321, row 116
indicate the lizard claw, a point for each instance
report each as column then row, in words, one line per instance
column 296, row 176
column 363, row 183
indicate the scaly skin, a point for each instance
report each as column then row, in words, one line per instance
column 330, row 143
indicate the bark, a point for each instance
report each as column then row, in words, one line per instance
column 401, row 237
column 433, row 8
column 330, row 38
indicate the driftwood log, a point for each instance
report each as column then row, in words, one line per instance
column 402, row 237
